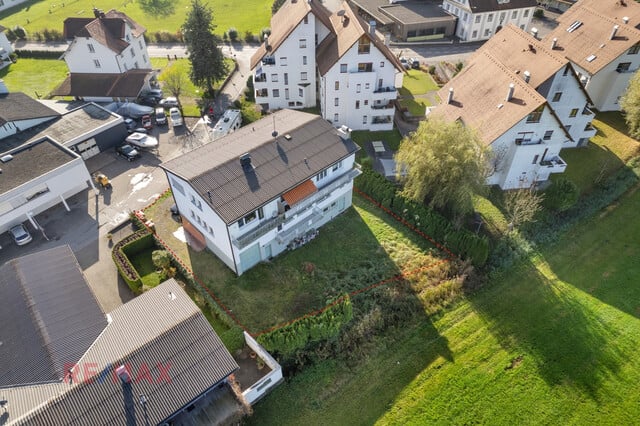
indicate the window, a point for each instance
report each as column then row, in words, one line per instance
column 301, row 92
column 357, row 104
column 514, row 14
column 366, row 86
column 128, row 37
column 335, row 118
column 304, row 60
column 588, row 127
column 286, row 78
column 135, row 65
column 343, row 68
column 133, row 53
column 96, row 63
column 91, row 48
column 490, row 17
column 276, row 93
column 274, row 77
column 144, row 58
column 474, row 34
column 366, row 102
column 535, row 159
column 193, row 215
column 568, row 127
column 211, row 232
column 365, row 67
column 336, row 101
column 623, row 66
column 573, row 113
column 283, row 61
column 336, row 166
column 303, row 43
column 337, row 85
column 321, row 175
column 303, row 75
column 204, row 224
column 526, row 13
column 177, row 186
column 478, row 18
column 364, row 119
column 634, row 50
column 502, row 16
column 364, row 45
column 535, row 116
column 358, row 87
column 286, row 94
column 140, row 44
column 251, row 217
column 566, row 70
column 547, row 135
column 487, row 32
column 381, row 64
column 556, row 97
column 306, row 19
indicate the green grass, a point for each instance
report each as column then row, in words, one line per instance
column 551, row 342
column 33, row 76
column 391, row 137
column 38, row 15
column 417, row 82
column 416, row 106
column 146, row 269
column 608, row 150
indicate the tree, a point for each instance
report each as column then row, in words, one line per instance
column 445, row 165
column 174, row 80
column 207, row 61
column 630, row 104
column 561, row 195
column 162, row 261
column 277, row 4
column 522, row 205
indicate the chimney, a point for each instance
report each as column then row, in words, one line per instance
column 123, row 374
column 245, row 162
column 387, row 39
column 372, row 28
column 3, row 88
column 554, row 43
column 510, row 93
column 527, row 76
column 625, row 19
column 534, row 32
column 344, row 132
column 614, row 32
column 450, row 96
column 96, row 12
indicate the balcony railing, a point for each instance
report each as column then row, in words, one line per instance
column 626, row 71
column 520, row 141
column 262, row 78
column 388, row 105
column 556, row 164
column 385, row 90
column 587, row 111
column 383, row 119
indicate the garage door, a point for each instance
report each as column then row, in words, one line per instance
column 87, row 149
column 250, row 257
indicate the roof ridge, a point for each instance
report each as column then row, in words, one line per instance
column 512, row 75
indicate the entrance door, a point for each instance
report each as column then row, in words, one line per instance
column 267, row 251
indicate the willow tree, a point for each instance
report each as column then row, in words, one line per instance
column 445, row 165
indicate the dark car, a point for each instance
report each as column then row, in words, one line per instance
column 151, row 101
column 128, row 152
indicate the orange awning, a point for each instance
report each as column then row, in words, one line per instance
column 300, row 192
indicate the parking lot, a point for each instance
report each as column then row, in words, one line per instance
column 94, row 214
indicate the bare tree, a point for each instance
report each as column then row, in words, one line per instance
column 496, row 158
column 522, row 205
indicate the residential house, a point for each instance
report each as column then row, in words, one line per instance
column 66, row 362
column 19, row 112
column 35, row 177
column 107, row 58
column 411, row 20
column 526, row 103
column 602, row 41
column 5, row 49
column 265, row 188
column 481, row 19
column 313, row 55
column 6, row 4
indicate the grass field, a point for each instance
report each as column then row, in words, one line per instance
column 417, row 82
column 34, row 76
column 37, row 15
column 146, row 269
column 551, row 342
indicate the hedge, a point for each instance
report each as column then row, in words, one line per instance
column 296, row 335
column 131, row 244
column 466, row 244
column 37, row 54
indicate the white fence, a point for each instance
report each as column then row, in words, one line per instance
column 268, row 382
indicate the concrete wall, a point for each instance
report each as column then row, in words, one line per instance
column 268, row 382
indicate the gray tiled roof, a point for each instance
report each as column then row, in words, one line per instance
column 478, row 6
column 214, row 169
column 18, row 106
column 50, row 316
column 160, row 327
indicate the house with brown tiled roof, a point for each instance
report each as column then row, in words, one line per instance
column 602, row 40
column 526, row 103
column 107, row 58
column 335, row 59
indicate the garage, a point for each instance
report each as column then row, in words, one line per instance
column 87, row 149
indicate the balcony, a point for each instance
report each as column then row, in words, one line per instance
column 382, row 119
column 532, row 141
column 587, row 111
column 554, row 164
column 382, row 106
column 262, row 78
column 385, row 90
column 624, row 70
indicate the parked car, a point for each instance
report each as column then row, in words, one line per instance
column 151, row 101
column 140, row 130
column 128, row 152
column 20, row 235
column 176, row 117
column 156, row 93
column 161, row 117
column 131, row 124
column 415, row 64
column 405, row 63
column 142, row 140
column 169, row 102
column 146, row 122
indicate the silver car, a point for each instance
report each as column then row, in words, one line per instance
column 20, row 235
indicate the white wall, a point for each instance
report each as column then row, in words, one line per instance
column 485, row 24
column 10, row 3
column 64, row 181
column 4, row 44
column 12, row 127
column 259, row 389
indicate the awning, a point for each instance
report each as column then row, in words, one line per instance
column 300, row 192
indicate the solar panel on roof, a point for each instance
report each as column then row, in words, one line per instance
column 574, row 26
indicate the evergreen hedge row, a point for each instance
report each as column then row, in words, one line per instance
column 132, row 244
column 37, row 54
column 295, row 336
column 462, row 242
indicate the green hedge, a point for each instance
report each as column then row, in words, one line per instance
column 462, row 242
column 130, row 245
column 292, row 337
column 37, row 54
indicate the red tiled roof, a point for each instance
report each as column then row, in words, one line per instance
column 300, row 192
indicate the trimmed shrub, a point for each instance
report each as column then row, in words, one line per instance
column 264, row 32
column 538, row 13
column 19, row 32
column 130, row 245
column 249, row 37
column 233, row 34
column 37, row 54
column 561, row 195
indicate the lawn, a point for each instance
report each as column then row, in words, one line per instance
column 146, row 269
column 416, row 106
column 38, row 15
column 550, row 342
column 608, row 150
column 34, row 76
column 417, row 82
column 391, row 137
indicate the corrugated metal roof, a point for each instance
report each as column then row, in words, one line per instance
column 50, row 316
column 215, row 172
column 300, row 192
column 159, row 328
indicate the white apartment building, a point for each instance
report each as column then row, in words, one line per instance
column 314, row 56
column 481, row 19
column 5, row 48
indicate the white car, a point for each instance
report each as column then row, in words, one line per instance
column 169, row 102
column 176, row 117
column 20, row 235
column 142, row 140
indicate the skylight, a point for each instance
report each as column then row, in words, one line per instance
column 574, row 26
column 590, row 58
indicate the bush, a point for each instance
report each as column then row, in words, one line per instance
column 233, row 34
column 561, row 195
column 130, row 245
column 249, row 37
column 11, row 35
column 19, row 32
column 538, row 13
column 167, row 37
column 432, row 69
column 264, row 32
column 37, row 54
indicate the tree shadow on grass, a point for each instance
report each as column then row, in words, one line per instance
column 158, row 7
column 553, row 326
